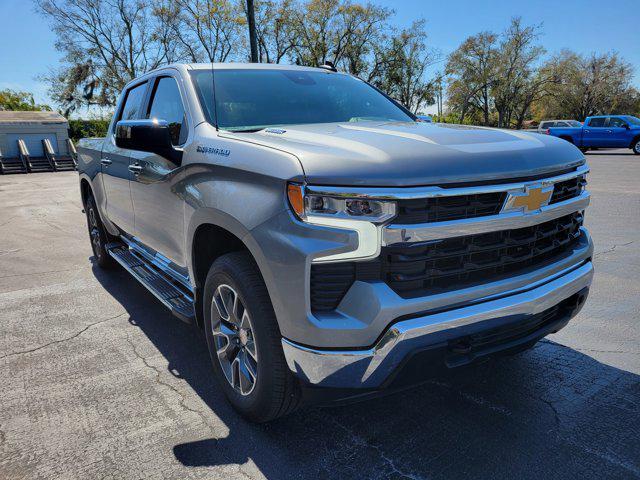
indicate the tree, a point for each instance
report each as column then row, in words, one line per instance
column 15, row 100
column 274, row 30
column 495, row 79
column 201, row 30
column 472, row 70
column 105, row 43
column 337, row 31
column 589, row 85
column 514, row 87
column 401, row 68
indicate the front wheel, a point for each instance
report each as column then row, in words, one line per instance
column 636, row 147
column 244, row 340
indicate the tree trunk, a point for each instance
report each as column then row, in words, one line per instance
column 485, row 106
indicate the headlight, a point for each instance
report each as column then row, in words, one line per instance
column 361, row 215
column 356, row 209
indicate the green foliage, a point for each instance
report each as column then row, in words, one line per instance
column 14, row 100
column 105, row 44
column 87, row 128
column 597, row 84
column 503, row 80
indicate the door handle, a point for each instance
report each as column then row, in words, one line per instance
column 136, row 168
column 586, row 131
column 106, row 162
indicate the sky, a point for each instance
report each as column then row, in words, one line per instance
column 27, row 45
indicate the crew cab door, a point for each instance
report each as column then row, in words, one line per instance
column 155, row 185
column 115, row 163
column 595, row 134
column 618, row 132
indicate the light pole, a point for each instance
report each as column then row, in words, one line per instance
column 251, row 19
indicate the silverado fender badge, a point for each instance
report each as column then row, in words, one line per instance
column 213, row 150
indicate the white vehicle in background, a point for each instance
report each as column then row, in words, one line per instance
column 545, row 125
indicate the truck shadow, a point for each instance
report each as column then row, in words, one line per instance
column 552, row 412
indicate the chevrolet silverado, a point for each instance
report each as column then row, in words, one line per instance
column 329, row 245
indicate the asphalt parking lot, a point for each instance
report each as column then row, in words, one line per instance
column 99, row 381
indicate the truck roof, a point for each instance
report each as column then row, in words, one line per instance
column 244, row 66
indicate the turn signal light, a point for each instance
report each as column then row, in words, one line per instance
column 296, row 199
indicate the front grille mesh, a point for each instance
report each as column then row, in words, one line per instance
column 568, row 189
column 431, row 267
column 439, row 209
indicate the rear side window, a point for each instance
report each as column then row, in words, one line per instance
column 166, row 105
column 617, row 122
column 133, row 102
column 597, row 122
column 546, row 125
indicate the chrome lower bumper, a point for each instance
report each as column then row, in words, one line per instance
column 370, row 368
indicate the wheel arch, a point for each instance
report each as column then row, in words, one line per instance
column 216, row 234
column 85, row 190
column 634, row 140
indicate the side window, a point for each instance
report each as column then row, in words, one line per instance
column 562, row 124
column 617, row 122
column 133, row 102
column 166, row 104
column 597, row 122
column 546, row 125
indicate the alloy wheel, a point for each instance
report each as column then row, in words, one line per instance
column 94, row 232
column 234, row 342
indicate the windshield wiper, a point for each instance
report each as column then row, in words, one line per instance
column 245, row 130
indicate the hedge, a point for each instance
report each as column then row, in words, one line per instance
column 87, row 128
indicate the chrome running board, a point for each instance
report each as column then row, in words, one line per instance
column 169, row 291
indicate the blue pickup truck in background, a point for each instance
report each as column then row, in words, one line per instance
column 604, row 131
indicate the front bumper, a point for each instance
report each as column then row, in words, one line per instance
column 447, row 331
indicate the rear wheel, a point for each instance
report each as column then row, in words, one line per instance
column 244, row 340
column 636, row 147
column 98, row 235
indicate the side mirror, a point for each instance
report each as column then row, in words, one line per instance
column 153, row 136
column 626, row 126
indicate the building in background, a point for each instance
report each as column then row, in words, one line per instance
column 34, row 142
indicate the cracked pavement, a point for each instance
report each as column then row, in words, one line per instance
column 100, row 381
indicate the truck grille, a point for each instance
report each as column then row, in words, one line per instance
column 459, row 207
column 439, row 209
column 424, row 268
column 568, row 189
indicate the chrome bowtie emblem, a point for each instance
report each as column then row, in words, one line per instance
column 529, row 200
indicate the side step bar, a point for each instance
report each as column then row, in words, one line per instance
column 169, row 292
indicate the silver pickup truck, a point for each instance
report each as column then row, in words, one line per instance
column 329, row 244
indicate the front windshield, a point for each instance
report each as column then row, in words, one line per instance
column 250, row 100
column 633, row 120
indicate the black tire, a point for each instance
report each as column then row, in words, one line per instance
column 275, row 392
column 584, row 149
column 635, row 147
column 98, row 235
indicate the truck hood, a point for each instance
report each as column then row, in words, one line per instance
column 412, row 154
